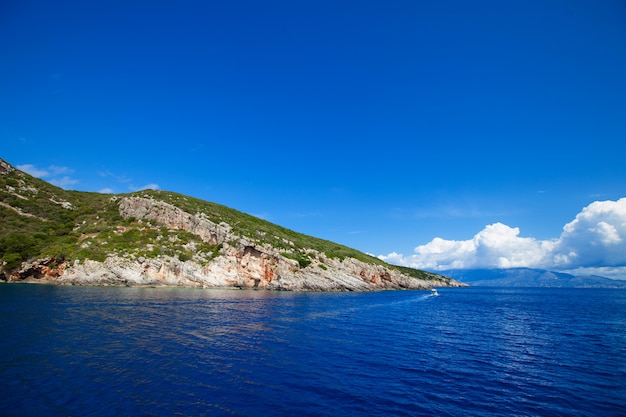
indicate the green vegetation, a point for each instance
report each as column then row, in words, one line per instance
column 261, row 231
column 39, row 220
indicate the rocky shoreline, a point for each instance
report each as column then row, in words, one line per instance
column 230, row 271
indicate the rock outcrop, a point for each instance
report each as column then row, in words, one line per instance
column 241, row 263
column 175, row 218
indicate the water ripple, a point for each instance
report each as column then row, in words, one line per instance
column 473, row 352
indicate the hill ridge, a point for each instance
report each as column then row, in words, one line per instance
column 157, row 238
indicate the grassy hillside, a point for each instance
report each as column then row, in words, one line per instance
column 39, row 220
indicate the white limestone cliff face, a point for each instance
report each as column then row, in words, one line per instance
column 247, row 271
column 240, row 263
column 174, row 218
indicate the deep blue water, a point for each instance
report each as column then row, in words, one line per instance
column 81, row 351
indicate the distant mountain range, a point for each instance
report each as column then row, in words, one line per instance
column 529, row 277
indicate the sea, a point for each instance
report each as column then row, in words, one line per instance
column 103, row 351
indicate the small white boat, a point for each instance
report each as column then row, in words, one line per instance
column 434, row 292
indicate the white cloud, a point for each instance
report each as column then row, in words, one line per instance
column 119, row 178
column 151, row 186
column 33, row 170
column 57, row 170
column 63, row 182
column 106, row 190
column 596, row 238
column 52, row 174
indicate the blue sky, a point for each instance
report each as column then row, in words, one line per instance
column 387, row 126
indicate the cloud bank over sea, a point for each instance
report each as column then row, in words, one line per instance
column 593, row 243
